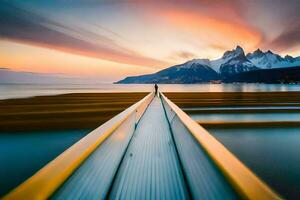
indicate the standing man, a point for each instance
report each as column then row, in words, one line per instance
column 156, row 88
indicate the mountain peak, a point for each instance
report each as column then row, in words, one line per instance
column 193, row 62
column 256, row 54
column 268, row 59
column 258, row 50
column 238, row 51
column 289, row 58
column 232, row 63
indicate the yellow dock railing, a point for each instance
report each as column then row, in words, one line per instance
column 47, row 180
column 243, row 180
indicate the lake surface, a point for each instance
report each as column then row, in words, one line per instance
column 27, row 90
column 23, row 154
column 247, row 117
column 272, row 153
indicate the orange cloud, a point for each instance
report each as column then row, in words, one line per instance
column 95, row 51
column 213, row 30
column 27, row 27
column 21, row 57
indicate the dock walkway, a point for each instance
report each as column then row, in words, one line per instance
column 152, row 150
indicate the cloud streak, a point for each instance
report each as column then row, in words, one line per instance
column 27, row 27
column 286, row 16
column 288, row 39
column 182, row 55
column 212, row 30
column 248, row 23
column 171, row 31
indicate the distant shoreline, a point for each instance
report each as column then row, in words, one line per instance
column 90, row 110
column 17, row 91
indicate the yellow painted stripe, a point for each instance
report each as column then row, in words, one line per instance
column 246, row 183
column 42, row 184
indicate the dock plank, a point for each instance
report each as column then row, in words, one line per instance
column 93, row 179
column 151, row 168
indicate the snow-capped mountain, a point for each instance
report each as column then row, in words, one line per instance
column 232, row 63
column 258, row 58
column 236, row 60
column 194, row 71
column 227, row 56
column 268, row 59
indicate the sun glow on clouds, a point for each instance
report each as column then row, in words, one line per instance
column 22, row 57
column 114, row 39
column 212, row 32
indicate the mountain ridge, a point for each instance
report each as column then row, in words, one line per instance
column 230, row 64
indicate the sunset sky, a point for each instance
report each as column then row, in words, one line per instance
column 111, row 39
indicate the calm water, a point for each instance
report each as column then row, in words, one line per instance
column 272, row 153
column 22, row 154
column 246, row 117
column 27, row 90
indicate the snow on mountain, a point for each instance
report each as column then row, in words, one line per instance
column 236, row 65
column 190, row 63
column 267, row 60
column 228, row 55
column 235, row 61
column 204, row 70
column 238, row 51
column 194, row 71
column 214, row 64
column 263, row 60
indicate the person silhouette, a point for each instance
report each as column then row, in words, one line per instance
column 156, row 88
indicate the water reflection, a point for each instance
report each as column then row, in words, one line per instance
column 22, row 154
column 272, row 153
column 27, row 90
column 246, row 117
